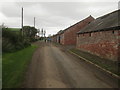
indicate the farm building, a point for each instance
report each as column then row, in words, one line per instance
column 58, row 36
column 62, row 37
column 68, row 36
column 101, row 37
column 54, row 38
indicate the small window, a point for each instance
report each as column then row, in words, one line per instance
column 90, row 34
column 113, row 32
column 88, row 22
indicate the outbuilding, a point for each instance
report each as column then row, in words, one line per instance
column 101, row 37
column 69, row 36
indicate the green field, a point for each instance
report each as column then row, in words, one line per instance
column 14, row 29
column 14, row 66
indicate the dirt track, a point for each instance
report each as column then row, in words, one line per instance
column 52, row 67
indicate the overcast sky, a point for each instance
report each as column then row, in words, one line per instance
column 54, row 15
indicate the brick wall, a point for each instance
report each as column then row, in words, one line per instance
column 62, row 38
column 70, row 33
column 105, row 44
column 54, row 38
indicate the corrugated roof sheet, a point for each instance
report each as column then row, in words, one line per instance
column 106, row 21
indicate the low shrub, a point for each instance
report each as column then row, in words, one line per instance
column 12, row 41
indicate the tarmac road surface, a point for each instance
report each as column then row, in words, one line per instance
column 53, row 67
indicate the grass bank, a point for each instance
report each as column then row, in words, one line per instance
column 104, row 63
column 14, row 29
column 14, row 66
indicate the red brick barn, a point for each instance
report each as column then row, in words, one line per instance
column 69, row 36
column 62, row 38
column 101, row 37
column 54, row 38
column 58, row 36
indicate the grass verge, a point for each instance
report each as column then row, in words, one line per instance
column 104, row 63
column 14, row 66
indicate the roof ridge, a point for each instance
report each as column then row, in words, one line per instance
column 106, row 20
column 108, row 13
column 79, row 22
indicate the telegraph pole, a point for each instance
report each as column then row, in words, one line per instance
column 34, row 21
column 22, row 22
column 44, row 33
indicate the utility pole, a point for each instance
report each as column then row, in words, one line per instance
column 34, row 22
column 44, row 33
column 22, row 22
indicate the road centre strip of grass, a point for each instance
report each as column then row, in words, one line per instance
column 14, row 66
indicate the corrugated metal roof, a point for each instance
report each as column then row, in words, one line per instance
column 107, row 21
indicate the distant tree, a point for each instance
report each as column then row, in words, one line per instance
column 26, row 31
column 42, row 33
column 33, row 31
column 38, row 32
column 29, row 31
